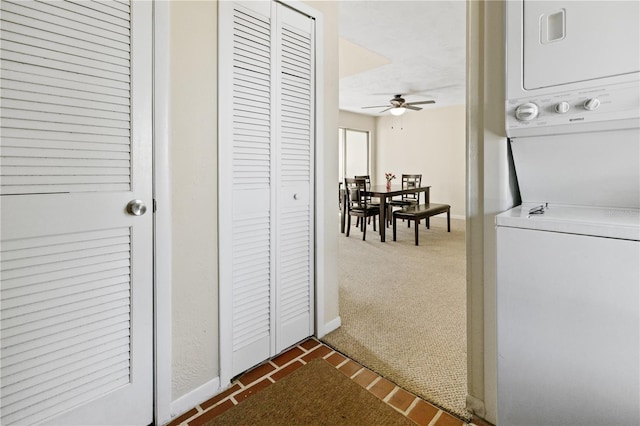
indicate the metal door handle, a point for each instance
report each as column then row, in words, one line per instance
column 136, row 208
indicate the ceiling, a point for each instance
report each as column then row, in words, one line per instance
column 413, row 48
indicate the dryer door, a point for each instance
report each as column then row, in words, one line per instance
column 571, row 41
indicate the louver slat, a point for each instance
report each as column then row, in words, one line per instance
column 64, row 89
column 296, row 96
column 50, row 12
column 55, row 30
column 55, row 308
column 294, row 273
column 251, row 280
column 31, row 41
column 119, row 10
column 251, row 104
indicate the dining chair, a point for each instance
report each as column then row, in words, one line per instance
column 373, row 202
column 357, row 204
column 412, row 198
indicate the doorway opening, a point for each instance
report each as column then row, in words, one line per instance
column 402, row 306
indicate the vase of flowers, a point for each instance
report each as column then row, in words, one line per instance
column 389, row 177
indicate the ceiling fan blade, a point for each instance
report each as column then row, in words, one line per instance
column 385, row 110
column 414, row 108
column 421, row 103
column 378, row 106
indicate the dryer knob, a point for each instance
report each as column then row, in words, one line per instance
column 562, row 107
column 527, row 112
column 592, row 104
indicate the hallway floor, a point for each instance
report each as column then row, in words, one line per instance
column 251, row 382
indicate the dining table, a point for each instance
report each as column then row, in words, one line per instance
column 384, row 193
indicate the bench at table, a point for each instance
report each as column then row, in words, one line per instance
column 419, row 212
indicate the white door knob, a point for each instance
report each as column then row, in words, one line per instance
column 527, row 112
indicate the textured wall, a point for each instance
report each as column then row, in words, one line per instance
column 326, row 208
column 193, row 104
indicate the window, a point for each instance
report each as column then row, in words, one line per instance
column 353, row 153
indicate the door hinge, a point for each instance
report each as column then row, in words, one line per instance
column 155, row 205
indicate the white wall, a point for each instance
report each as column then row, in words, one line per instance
column 327, row 268
column 354, row 121
column 430, row 142
column 193, row 162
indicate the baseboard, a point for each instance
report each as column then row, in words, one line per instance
column 334, row 324
column 195, row 397
column 475, row 406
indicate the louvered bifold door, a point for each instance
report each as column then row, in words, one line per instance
column 75, row 268
column 294, row 144
column 245, row 146
column 266, row 118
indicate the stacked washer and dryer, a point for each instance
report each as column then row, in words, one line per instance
column 568, row 272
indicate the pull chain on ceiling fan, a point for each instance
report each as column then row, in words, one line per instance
column 397, row 105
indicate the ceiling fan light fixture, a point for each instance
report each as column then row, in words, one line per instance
column 397, row 111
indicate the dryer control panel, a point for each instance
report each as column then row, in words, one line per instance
column 590, row 109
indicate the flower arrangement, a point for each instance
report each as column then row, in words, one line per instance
column 389, row 177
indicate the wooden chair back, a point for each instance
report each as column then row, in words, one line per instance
column 367, row 181
column 356, row 193
column 408, row 182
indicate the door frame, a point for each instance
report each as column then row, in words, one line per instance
column 342, row 167
column 161, row 216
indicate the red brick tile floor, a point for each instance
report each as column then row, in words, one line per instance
column 251, row 382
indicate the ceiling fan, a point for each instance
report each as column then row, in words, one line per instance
column 398, row 105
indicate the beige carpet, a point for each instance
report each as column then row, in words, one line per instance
column 403, row 309
column 315, row 394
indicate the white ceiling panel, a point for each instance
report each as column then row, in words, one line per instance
column 423, row 42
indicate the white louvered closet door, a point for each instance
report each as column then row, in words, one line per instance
column 266, row 181
column 294, row 145
column 75, row 268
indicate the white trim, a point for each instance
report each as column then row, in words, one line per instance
column 320, row 216
column 314, row 177
column 225, row 115
column 305, row 9
column 162, row 217
column 275, row 175
column 330, row 326
column 195, row 397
